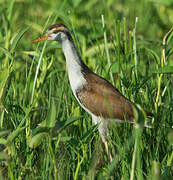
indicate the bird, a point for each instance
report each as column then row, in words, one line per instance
column 96, row 95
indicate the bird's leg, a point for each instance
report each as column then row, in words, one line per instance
column 103, row 130
column 107, row 149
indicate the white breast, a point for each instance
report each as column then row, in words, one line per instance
column 73, row 62
column 76, row 78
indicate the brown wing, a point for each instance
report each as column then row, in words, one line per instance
column 102, row 99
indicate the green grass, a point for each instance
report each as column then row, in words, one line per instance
column 44, row 134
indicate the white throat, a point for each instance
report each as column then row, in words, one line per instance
column 73, row 62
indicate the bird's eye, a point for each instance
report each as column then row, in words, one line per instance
column 55, row 32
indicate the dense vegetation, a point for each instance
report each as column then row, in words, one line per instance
column 44, row 134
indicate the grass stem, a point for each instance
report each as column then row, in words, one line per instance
column 106, row 48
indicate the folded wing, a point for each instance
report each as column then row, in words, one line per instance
column 102, row 99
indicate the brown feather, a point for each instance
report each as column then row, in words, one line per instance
column 103, row 99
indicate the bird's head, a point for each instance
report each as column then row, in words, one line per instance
column 56, row 32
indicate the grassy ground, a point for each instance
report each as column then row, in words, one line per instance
column 44, row 134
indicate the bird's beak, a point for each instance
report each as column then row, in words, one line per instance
column 42, row 38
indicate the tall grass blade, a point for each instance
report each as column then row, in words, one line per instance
column 135, row 48
column 17, row 38
column 14, row 134
column 6, row 52
column 37, row 139
column 51, row 117
column 4, row 75
column 37, row 70
column 106, row 48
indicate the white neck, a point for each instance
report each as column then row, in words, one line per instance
column 74, row 65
